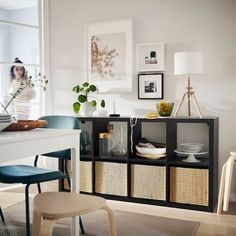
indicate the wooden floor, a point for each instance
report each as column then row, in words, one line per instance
column 210, row 223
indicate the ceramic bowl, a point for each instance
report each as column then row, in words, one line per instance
column 151, row 151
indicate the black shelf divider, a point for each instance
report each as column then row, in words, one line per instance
column 177, row 161
column 116, row 159
column 144, row 161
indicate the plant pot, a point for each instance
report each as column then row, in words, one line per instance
column 86, row 109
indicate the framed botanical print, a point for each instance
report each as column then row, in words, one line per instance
column 150, row 86
column 110, row 55
column 150, row 57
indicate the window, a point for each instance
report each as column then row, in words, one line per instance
column 20, row 38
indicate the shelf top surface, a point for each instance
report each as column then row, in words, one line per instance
column 142, row 118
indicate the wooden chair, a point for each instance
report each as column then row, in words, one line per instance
column 50, row 206
column 225, row 183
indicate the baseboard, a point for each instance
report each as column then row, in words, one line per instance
column 5, row 187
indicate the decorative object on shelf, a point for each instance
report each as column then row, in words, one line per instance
column 164, row 108
column 105, row 145
column 83, row 106
column 24, row 125
column 5, row 121
column 102, row 112
column 114, row 114
column 151, row 157
column 150, row 150
column 191, row 150
column 150, row 86
column 191, row 147
column 110, row 55
column 191, row 156
column 84, row 142
column 188, row 63
column 150, row 57
column 152, row 115
column 116, row 129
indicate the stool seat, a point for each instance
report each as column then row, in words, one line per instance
column 53, row 205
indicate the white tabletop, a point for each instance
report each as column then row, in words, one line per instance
column 16, row 136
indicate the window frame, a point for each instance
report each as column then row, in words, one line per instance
column 43, row 34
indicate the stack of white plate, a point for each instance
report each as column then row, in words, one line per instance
column 191, row 147
column 5, row 121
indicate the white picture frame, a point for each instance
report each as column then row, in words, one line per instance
column 110, row 55
column 150, row 57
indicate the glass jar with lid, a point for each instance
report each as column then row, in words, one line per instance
column 105, row 145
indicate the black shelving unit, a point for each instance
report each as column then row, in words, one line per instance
column 170, row 162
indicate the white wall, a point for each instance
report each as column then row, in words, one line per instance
column 206, row 25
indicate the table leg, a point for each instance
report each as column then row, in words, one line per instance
column 75, row 159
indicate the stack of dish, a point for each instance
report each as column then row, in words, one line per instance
column 191, row 147
column 190, row 150
column 5, row 121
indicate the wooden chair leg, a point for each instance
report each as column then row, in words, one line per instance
column 112, row 220
column 36, row 223
column 47, row 227
column 221, row 190
column 228, row 180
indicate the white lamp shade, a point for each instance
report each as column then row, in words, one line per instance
column 188, row 63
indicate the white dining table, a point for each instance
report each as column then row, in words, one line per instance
column 21, row 144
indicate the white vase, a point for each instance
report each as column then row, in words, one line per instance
column 86, row 109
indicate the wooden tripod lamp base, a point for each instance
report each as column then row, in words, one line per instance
column 188, row 63
column 190, row 96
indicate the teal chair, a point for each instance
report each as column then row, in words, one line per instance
column 61, row 122
column 27, row 175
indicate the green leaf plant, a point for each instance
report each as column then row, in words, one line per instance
column 84, row 92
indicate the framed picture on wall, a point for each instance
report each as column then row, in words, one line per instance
column 150, row 57
column 150, row 86
column 110, row 56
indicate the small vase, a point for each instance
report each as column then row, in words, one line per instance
column 86, row 109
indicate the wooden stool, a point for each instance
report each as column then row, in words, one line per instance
column 50, row 206
column 225, row 183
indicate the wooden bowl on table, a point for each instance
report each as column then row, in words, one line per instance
column 24, row 125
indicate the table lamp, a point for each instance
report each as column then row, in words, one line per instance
column 188, row 63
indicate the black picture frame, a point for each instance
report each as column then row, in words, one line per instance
column 142, row 76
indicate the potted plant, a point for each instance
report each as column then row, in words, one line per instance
column 86, row 103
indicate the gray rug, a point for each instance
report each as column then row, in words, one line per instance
column 96, row 224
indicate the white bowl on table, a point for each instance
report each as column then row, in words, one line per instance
column 151, row 151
